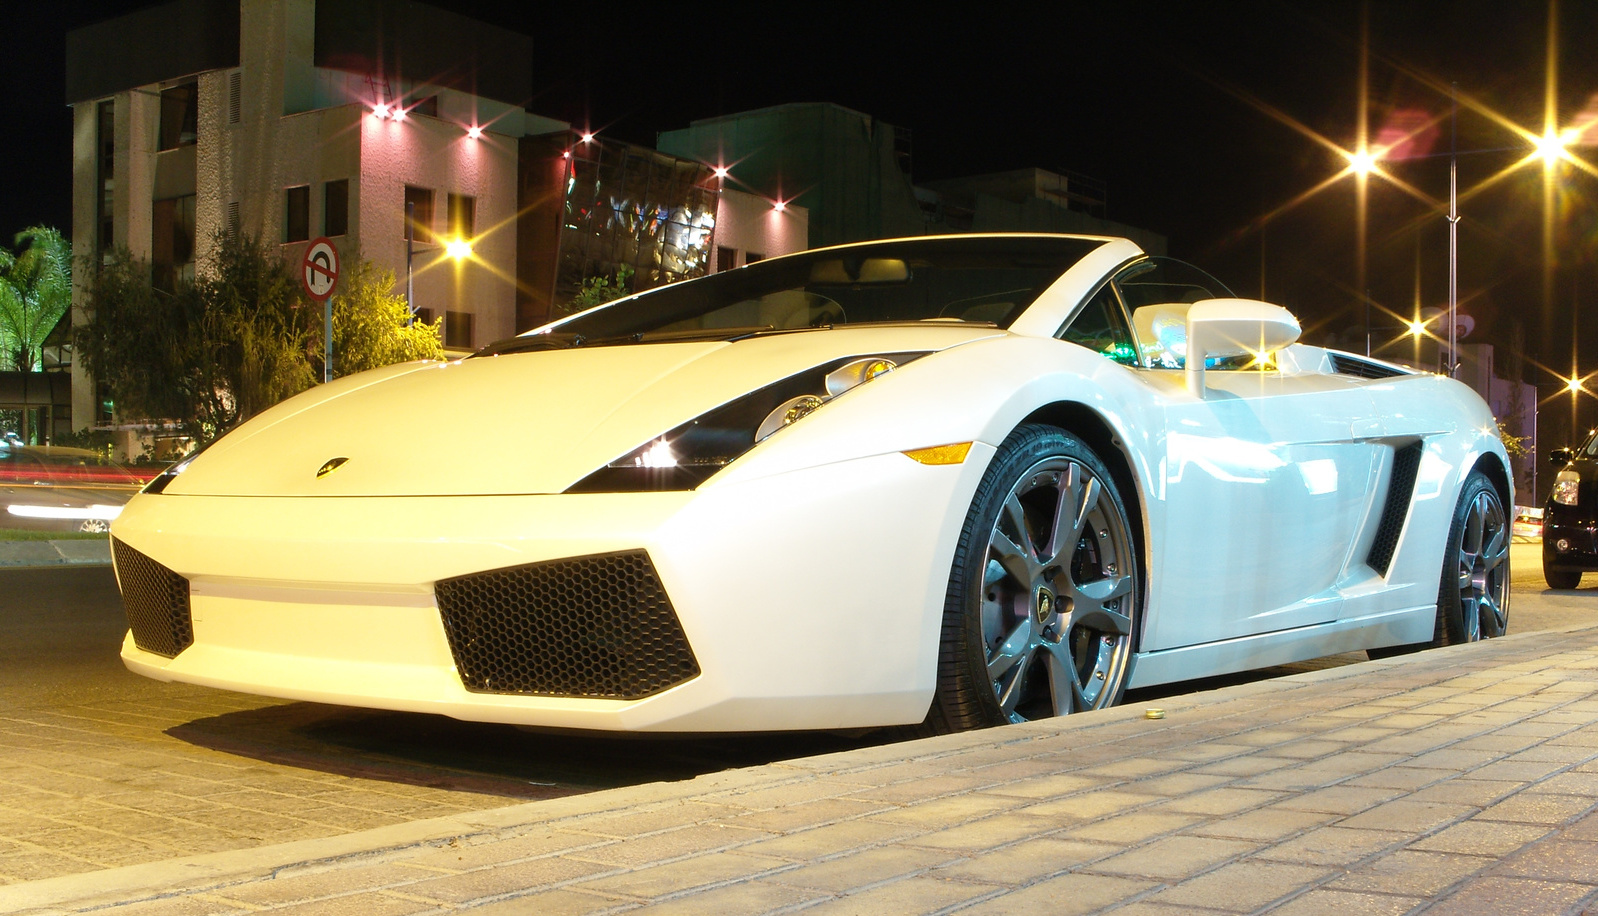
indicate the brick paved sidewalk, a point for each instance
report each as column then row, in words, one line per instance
column 1461, row 780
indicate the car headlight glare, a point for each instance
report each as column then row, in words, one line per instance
column 687, row 456
column 1567, row 488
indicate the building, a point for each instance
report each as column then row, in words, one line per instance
column 391, row 127
column 852, row 172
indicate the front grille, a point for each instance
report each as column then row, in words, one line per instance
column 1400, row 493
column 157, row 602
column 598, row 626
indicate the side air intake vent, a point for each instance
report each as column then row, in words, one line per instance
column 1350, row 365
column 1400, row 493
column 157, row 602
column 598, row 626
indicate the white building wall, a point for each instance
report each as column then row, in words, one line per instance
column 437, row 154
column 749, row 224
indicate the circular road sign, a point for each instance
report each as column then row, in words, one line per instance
column 320, row 269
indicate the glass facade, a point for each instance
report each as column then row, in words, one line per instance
column 632, row 205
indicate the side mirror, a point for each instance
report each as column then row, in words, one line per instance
column 1233, row 327
column 1562, row 455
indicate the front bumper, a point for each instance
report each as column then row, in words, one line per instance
column 811, row 599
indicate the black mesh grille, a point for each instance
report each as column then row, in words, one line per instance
column 597, row 626
column 1349, row 365
column 157, row 602
column 1400, row 493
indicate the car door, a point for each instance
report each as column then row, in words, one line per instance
column 1267, row 479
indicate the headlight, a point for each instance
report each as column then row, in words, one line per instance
column 1567, row 487
column 687, row 456
column 160, row 481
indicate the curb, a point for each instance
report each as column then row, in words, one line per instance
column 66, row 552
column 180, row 877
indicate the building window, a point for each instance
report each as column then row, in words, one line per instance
column 462, row 216
column 753, row 256
column 458, row 330
column 180, row 107
column 336, row 207
column 424, row 316
column 235, row 96
column 726, row 258
column 105, row 237
column 297, row 214
column 419, row 209
column 172, row 241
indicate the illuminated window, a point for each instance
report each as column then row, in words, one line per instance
column 419, row 205
column 458, row 330
column 172, row 241
column 297, row 214
column 462, row 216
column 336, row 207
column 180, row 115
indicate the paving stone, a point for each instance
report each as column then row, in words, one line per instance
column 987, row 833
column 504, row 879
column 1412, row 873
column 1482, row 838
column 1241, row 887
column 831, row 840
column 1045, row 787
column 684, row 874
column 1332, row 846
column 943, row 811
column 374, row 904
column 1347, row 800
column 1174, row 858
column 1066, row 895
column 1227, row 800
column 922, row 790
column 1131, row 828
column 1555, row 860
column 658, row 847
column 1538, row 808
column 910, row 897
column 1510, row 897
column 804, row 816
column 1408, row 816
column 1264, row 825
column 1325, row 902
column 1028, row 861
column 860, row 869
column 558, row 902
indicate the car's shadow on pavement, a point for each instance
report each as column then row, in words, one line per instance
column 439, row 752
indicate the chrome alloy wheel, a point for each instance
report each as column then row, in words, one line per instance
column 1482, row 562
column 1057, row 594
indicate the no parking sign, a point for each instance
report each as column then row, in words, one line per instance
column 319, row 271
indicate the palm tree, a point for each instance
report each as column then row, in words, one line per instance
column 35, row 291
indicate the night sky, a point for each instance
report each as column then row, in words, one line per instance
column 1169, row 103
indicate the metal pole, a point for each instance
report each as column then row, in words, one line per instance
column 410, row 239
column 327, row 340
column 1453, row 230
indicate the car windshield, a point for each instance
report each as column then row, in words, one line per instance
column 988, row 280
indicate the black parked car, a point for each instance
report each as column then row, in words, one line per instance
column 1570, row 521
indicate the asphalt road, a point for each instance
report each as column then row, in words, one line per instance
column 61, row 629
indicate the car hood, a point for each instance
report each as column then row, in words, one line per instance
column 520, row 423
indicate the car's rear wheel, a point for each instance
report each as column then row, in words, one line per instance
column 1472, row 598
column 1044, row 592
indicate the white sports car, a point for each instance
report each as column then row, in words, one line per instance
column 951, row 481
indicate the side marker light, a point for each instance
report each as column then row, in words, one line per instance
column 941, row 454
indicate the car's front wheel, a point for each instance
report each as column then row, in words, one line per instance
column 1044, row 592
column 1472, row 598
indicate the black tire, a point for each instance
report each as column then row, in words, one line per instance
column 1071, row 594
column 1562, row 579
column 1473, row 595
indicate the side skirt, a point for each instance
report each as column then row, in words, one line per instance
column 1389, row 628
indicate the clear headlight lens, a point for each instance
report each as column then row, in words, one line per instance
column 1567, row 487
column 687, row 456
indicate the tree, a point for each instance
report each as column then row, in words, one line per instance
column 240, row 337
column 598, row 291
column 35, row 291
column 209, row 354
column 369, row 322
